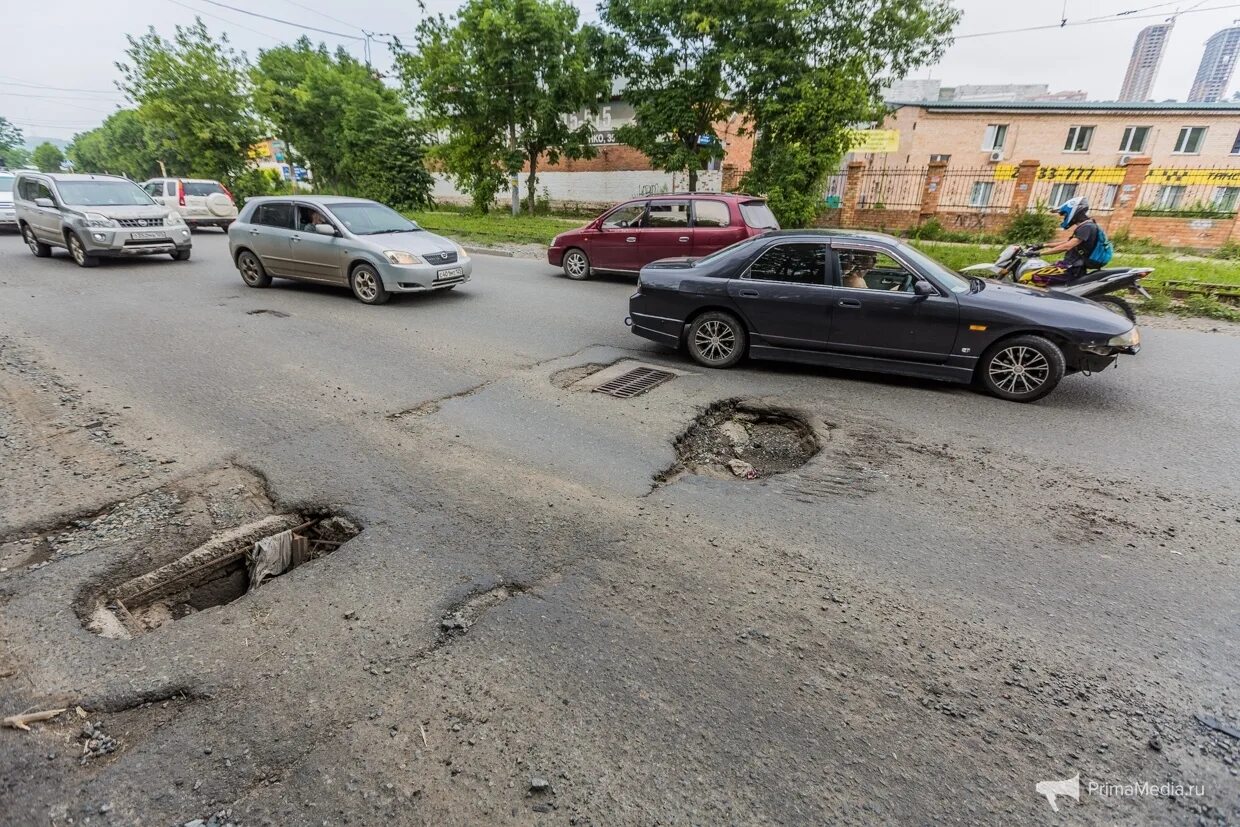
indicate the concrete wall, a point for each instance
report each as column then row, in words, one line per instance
column 590, row 188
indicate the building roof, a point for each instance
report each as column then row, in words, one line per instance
column 1152, row 107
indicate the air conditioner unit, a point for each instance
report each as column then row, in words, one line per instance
column 1125, row 160
column 996, row 156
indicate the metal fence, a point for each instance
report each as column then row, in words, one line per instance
column 898, row 188
column 833, row 191
column 1103, row 194
column 979, row 190
column 1190, row 192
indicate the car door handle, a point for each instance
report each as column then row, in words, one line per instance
column 748, row 294
column 850, row 302
column 631, row 239
column 684, row 238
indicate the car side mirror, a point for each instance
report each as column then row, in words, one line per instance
column 44, row 202
column 325, row 229
column 924, row 289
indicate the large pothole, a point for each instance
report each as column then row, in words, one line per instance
column 224, row 569
column 745, row 440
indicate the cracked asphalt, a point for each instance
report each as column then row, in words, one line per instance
column 955, row 599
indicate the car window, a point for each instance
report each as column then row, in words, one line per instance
column 799, row 263
column 6, row 183
column 30, row 189
column 865, row 269
column 710, row 214
column 308, row 217
column 170, row 188
column 369, row 218
column 278, row 214
column 731, row 249
column 947, row 278
column 103, row 194
column 668, row 214
column 629, row 215
column 759, row 216
column 155, row 188
column 202, row 188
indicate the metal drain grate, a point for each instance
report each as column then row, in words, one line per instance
column 635, row 382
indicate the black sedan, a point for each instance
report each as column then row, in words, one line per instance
column 867, row 301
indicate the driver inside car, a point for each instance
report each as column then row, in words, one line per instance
column 854, row 267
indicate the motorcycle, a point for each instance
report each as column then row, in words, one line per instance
column 1020, row 264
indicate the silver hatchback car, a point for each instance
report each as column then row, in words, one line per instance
column 329, row 239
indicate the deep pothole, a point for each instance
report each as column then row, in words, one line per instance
column 224, row 569
column 743, row 439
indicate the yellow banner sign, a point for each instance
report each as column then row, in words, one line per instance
column 1101, row 175
column 1222, row 177
column 876, row 140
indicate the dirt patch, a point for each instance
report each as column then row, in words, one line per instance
column 262, row 311
column 563, row 378
column 743, row 440
column 225, row 568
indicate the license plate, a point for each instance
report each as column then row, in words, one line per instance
column 148, row 235
column 450, row 273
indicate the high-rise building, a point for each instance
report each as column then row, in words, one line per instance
column 1217, row 64
column 1147, row 55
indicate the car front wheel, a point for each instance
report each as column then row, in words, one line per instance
column 717, row 340
column 78, row 250
column 1022, row 369
column 576, row 265
column 367, row 285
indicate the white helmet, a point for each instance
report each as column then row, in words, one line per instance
column 1071, row 208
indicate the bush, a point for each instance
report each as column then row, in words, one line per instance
column 1031, row 228
column 1201, row 304
column 1229, row 251
column 1158, row 302
column 255, row 182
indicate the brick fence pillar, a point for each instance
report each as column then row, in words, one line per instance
column 932, row 190
column 1022, row 193
column 852, row 193
column 1129, row 194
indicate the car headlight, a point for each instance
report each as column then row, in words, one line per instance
column 401, row 257
column 460, row 251
column 1130, row 339
column 555, row 242
column 174, row 219
column 94, row 219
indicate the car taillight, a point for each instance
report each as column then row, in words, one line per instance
column 181, row 193
column 229, row 194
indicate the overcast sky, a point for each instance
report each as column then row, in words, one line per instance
column 76, row 53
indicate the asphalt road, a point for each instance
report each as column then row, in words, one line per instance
column 958, row 597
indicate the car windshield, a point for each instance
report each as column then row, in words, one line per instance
column 953, row 281
column 6, row 183
column 202, row 188
column 372, row 219
column 726, row 251
column 102, row 194
column 759, row 216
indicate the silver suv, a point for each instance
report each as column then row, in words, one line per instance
column 94, row 216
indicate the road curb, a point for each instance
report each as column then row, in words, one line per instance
column 486, row 251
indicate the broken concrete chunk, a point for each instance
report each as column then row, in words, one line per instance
column 742, row 469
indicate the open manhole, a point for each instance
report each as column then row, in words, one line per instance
column 746, row 440
column 225, row 568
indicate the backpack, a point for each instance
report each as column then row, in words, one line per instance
column 1103, row 250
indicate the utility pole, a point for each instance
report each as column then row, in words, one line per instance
column 514, row 183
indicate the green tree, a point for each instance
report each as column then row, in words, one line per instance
column 48, row 157
column 124, row 144
column 808, row 71
column 12, row 151
column 354, row 133
column 675, row 69
column 193, row 93
column 499, row 84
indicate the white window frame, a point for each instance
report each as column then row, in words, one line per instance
column 1074, row 138
column 1125, row 143
column 1181, row 141
column 1071, row 188
column 987, row 187
column 995, row 137
column 1170, row 197
column 1220, row 200
column 1110, row 193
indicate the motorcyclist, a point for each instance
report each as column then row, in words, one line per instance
column 1077, row 248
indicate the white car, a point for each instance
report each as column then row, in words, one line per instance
column 8, row 214
column 199, row 202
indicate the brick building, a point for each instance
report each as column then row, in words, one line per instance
column 1066, row 133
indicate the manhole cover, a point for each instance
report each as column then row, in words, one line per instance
column 634, row 382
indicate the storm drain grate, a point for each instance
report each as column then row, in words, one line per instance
column 635, row 382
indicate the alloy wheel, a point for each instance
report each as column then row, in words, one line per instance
column 76, row 250
column 1019, row 369
column 575, row 265
column 31, row 241
column 715, row 340
column 364, row 284
column 249, row 269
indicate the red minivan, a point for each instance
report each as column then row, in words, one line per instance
column 631, row 235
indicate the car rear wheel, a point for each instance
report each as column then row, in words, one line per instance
column 717, row 340
column 1022, row 369
column 37, row 247
column 577, row 265
column 78, row 250
column 251, row 269
column 1117, row 305
column 367, row 285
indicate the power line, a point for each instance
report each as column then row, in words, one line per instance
column 325, row 15
column 58, row 101
column 16, row 82
column 282, row 21
column 225, row 20
column 1090, row 22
